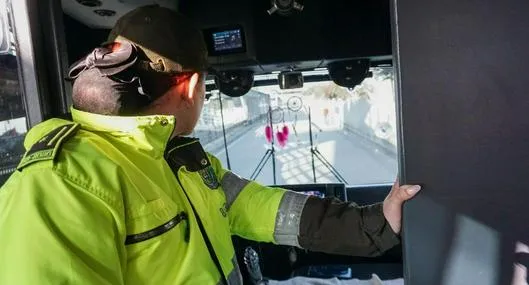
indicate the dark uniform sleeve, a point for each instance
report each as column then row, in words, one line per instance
column 331, row 226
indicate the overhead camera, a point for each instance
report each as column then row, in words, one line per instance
column 290, row 80
column 235, row 83
column 285, row 7
column 349, row 73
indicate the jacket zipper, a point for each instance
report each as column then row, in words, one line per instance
column 204, row 235
column 131, row 239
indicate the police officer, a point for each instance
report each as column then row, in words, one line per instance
column 118, row 195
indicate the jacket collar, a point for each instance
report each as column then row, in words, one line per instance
column 188, row 152
column 150, row 134
column 146, row 133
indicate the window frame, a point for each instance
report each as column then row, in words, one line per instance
column 30, row 84
column 42, row 59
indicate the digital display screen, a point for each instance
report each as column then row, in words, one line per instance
column 227, row 40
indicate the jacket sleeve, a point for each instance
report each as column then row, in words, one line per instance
column 331, row 226
column 252, row 208
column 54, row 231
column 285, row 217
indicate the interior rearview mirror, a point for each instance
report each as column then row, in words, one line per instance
column 6, row 36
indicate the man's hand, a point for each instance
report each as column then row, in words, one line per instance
column 394, row 201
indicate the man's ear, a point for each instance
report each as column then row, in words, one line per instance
column 194, row 80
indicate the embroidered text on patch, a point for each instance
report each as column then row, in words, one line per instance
column 48, row 147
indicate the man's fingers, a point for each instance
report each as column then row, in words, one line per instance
column 393, row 203
column 402, row 193
column 406, row 192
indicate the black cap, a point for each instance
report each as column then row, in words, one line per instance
column 168, row 38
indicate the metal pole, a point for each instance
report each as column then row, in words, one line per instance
column 224, row 132
column 273, row 141
column 312, row 146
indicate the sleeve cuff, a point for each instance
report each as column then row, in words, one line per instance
column 378, row 228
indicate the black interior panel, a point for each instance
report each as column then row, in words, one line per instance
column 81, row 39
column 288, row 39
column 324, row 30
column 462, row 89
column 367, row 195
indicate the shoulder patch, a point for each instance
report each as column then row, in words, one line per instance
column 48, row 146
column 209, row 178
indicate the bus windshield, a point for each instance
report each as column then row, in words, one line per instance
column 321, row 133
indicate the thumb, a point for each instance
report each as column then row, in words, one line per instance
column 407, row 192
